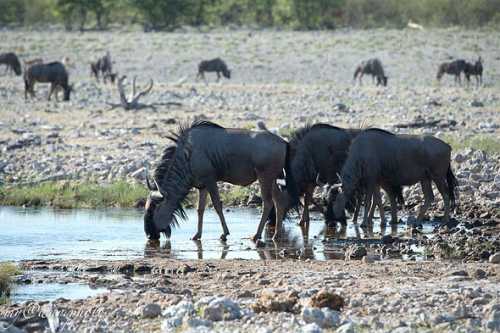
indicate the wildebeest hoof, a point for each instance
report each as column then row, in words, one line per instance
column 363, row 225
column 223, row 237
column 393, row 222
column 256, row 238
column 196, row 237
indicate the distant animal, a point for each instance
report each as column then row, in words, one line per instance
column 374, row 68
column 476, row 70
column 103, row 66
column 11, row 61
column 380, row 158
column 54, row 73
column 206, row 153
column 215, row 65
column 454, row 68
column 318, row 153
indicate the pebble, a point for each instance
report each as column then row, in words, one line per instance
column 495, row 258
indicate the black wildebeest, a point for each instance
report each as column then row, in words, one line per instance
column 103, row 66
column 372, row 67
column 380, row 158
column 11, row 61
column 476, row 70
column 206, row 153
column 215, row 65
column 54, row 73
column 318, row 153
column 455, row 68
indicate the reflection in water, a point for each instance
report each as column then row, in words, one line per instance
column 118, row 234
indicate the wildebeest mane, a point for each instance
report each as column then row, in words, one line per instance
column 379, row 130
column 173, row 173
column 299, row 134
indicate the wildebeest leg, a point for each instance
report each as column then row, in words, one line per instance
column 214, row 195
column 202, row 202
column 307, row 200
column 442, row 187
column 218, row 76
column 368, row 204
column 377, row 202
column 360, row 77
column 52, row 87
column 356, row 212
column 394, row 208
column 428, row 198
column 280, row 200
column 267, row 205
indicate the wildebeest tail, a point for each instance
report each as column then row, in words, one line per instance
column 452, row 184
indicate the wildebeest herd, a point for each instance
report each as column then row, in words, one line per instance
column 56, row 72
column 352, row 164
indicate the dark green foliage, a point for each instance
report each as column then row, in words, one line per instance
column 296, row 14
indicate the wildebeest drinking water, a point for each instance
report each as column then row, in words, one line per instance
column 11, row 61
column 380, row 158
column 103, row 66
column 454, row 68
column 215, row 65
column 54, row 73
column 205, row 153
column 374, row 68
column 476, row 70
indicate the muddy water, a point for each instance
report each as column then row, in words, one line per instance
column 118, row 234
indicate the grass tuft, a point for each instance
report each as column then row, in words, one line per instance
column 7, row 271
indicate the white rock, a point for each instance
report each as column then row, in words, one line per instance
column 175, row 315
column 347, row 328
column 495, row 258
column 311, row 328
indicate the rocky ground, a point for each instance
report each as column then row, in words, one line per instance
column 285, row 79
column 269, row 296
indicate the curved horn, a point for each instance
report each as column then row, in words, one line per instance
column 150, row 187
column 158, row 186
column 318, row 181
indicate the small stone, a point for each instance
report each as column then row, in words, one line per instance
column 222, row 308
column 278, row 300
column 327, row 299
column 480, row 274
column 311, row 328
column 150, row 310
column 495, row 258
column 347, row 328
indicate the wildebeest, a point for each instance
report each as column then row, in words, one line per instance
column 455, row 68
column 11, row 61
column 476, row 70
column 206, row 153
column 372, row 67
column 215, row 65
column 54, row 73
column 380, row 158
column 103, row 66
column 318, row 153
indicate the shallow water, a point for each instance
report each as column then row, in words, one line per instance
column 34, row 233
column 52, row 291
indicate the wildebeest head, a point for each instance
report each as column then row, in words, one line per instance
column 227, row 73
column 334, row 201
column 171, row 186
column 382, row 80
column 67, row 92
column 154, row 199
column 16, row 65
